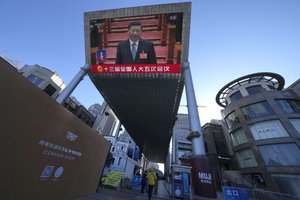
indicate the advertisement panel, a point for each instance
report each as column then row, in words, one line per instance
column 47, row 152
column 158, row 30
column 113, row 178
column 136, row 182
column 178, row 186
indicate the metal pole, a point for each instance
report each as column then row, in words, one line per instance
column 195, row 136
column 203, row 187
column 72, row 85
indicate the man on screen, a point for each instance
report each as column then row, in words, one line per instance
column 135, row 50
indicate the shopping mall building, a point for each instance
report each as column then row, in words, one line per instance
column 263, row 121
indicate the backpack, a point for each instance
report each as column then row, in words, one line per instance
column 151, row 178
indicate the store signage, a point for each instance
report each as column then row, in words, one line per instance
column 136, row 68
column 231, row 193
column 205, row 177
column 202, row 177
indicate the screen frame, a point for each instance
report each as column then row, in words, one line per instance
column 184, row 8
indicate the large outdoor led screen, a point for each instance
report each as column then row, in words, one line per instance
column 166, row 26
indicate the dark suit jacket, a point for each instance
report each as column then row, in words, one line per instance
column 145, row 46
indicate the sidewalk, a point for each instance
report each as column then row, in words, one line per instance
column 163, row 193
column 111, row 194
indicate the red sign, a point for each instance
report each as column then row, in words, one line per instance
column 203, row 181
column 136, row 68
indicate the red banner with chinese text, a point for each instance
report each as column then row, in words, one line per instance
column 135, row 68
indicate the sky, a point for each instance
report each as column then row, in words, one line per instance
column 228, row 39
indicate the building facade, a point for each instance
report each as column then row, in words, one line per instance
column 216, row 150
column 75, row 107
column 263, row 121
column 215, row 147
column 50, row 82
column 295, row 87
column 46, row 79
column 95, row 109
column 122, row 156
column 181, row 147
column 106, row 123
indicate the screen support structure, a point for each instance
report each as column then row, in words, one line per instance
column 201, row 171
column 72, row 85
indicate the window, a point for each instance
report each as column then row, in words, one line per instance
column 112, row 161
column 221, row 148
column 257, row 110
column 254, row 89
column 238, row 137
column 206, row 146
column 232, row 120
column 184, row 146
column 34, row 79
column 289, row 106
column 49, row 89
column 236, row 96
column 184, row 154
column 287, row 183
column 73, row 106
column 296, row 124
column 268, row 129
column 112, row 149
column 119, row 161
column 246, row 158
column 280, row 154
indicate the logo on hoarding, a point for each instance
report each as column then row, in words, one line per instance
column 58, row 172
column 58, row 151
column 71, row 136
column 47, row 171
column 205, row 177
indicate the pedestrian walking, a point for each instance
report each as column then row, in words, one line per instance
column 144, row 180
column 151, row 176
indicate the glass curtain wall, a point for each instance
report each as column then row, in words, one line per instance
column 232, row 120
column 296, row 124
column 246, row 158
column 287, row 183
column 289, row 106
column 238, row 137
column 280, row 154
column 257, row 110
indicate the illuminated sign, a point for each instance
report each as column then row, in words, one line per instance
column 136, row 68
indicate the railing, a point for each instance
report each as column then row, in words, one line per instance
column 268, row 195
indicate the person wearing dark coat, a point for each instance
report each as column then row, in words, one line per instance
column 135, row 50
column 144, row 181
